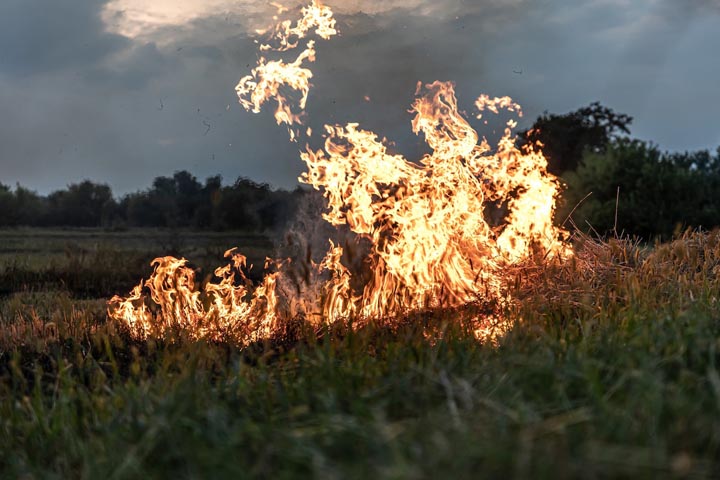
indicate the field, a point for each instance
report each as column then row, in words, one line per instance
column 610, row 370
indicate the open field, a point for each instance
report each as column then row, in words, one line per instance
column 610, row 370
column 93, row 263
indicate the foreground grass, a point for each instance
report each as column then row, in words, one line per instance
column 610, row 370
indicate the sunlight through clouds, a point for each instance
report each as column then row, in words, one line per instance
column 142, row 19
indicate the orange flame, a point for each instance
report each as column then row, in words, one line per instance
column 269, row 77
column 427, row 222
column 220, row 309
column 495, row 104
column 432, row 243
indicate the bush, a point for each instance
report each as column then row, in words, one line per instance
column 659, row 193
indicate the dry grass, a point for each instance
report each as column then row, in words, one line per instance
column 609, row 371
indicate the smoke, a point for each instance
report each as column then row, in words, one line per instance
column 305, row 243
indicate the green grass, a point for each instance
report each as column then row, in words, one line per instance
column 610, row 370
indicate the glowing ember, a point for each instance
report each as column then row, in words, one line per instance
column 431, row 243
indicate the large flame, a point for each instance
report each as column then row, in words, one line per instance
column 427, row 223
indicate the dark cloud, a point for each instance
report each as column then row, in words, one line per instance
column 384, row 57
column 134, row 70
column 79, row 102
column 37, row 36
column 705, row 6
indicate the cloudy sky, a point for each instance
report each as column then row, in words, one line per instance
column 120, row 91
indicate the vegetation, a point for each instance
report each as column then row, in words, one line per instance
column 613, row 183
column 566, row 137
column 92, row 263
column 609, row 370
column 655, row 194
column 180, row 201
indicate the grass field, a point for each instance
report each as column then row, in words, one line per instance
column 610, row 371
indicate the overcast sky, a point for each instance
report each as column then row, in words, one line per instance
column 121, row 91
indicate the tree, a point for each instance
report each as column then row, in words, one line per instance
column 206, row 213
column 30, row 208
column 179, row 201
column 141, row 211
column 8, row 214
column 660, row 193
column 240, row 204
column 565, row 137
column 188, row 193
column 84, row 204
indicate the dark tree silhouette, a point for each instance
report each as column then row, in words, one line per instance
column 659, row 193
column 84, row 204
column 565, row 137
column 7, row 206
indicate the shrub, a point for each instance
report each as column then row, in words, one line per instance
column 659, row 193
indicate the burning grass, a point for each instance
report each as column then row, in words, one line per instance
column 602, row 280
column 429, row 240
column 459, row 347
column 609, row 369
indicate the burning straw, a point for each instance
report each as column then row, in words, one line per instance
column 427, row 240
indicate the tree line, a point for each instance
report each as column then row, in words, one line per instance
column 612, row 184
column 616, row 184
column 179, row 201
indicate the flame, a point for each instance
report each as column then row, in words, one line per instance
column 432, row 243
column 315, row 16
column 268, row 78
column 495, row 104
column 222, row 308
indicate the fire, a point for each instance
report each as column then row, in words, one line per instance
column 223, row 308
column 269, row 77
column 431, row 242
